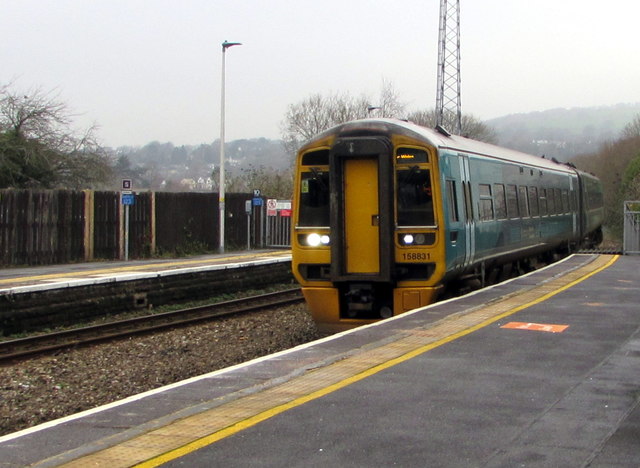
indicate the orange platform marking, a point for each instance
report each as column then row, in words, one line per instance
column 536, row 327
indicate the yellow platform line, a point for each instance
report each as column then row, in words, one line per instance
column 189, row 434
column 148, row 266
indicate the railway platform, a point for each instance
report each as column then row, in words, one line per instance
column 542, row 370
column 41, row 278
column 33, row 298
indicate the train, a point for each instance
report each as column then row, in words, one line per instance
column 388, row 216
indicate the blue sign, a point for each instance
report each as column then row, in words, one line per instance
column 128, row 198
column 257, row 201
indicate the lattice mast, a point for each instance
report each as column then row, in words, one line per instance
column 448, row 107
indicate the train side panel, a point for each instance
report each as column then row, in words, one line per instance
column 500, row 212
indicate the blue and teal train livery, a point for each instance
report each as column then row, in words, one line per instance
column 388, row 215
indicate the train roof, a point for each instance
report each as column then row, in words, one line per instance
column 441, row 141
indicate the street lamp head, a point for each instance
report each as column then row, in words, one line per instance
column 226, row 45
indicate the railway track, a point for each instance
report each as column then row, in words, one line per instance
column 601, row 251
column 24, row 347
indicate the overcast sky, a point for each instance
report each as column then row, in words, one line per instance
column 150, row 70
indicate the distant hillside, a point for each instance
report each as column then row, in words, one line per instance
column 164, row 164
column 563, row 133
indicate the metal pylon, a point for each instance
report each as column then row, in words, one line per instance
column 448, row 107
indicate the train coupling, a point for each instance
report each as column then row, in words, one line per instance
column 361, row 301
column 359, row 298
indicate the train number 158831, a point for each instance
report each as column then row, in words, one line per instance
column 413, row 256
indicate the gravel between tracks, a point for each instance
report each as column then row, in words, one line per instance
column 50, row 387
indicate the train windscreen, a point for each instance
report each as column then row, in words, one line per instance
column 314, row 199
column 414, row 198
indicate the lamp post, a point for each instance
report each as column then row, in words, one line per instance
column 225, row 46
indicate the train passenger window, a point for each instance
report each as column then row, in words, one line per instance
column 500, row 200
column 523, row 201
column 551, row 202
column 486, row 202
column 533, row 201
column 414, row 200
column 512, row 201
column 565, row 201
column 468, row 205
column 314, row 199
column 452, row 201
column 543, row 202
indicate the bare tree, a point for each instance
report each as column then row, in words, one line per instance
column 38, row 148
column 632, row 129
column 472, row 127
column 273, row 183
column 390, row 105
column 317, row 113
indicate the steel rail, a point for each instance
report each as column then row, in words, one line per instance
column 23, row 347
column 600, row 251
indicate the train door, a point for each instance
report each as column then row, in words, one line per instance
column 361, row 213
column 362, row 217
column 468, row 217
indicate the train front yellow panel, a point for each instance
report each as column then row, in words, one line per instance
column 406, row 299
column 361, row 213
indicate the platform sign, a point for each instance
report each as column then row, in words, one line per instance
column 127, row 184
column 128, row 198
column 257, row 201
column 272, row 204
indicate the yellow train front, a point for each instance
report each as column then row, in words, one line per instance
column 367, row 209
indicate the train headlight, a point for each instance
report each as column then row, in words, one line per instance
column 316, row 240
column 407, row 239
column 416, row 239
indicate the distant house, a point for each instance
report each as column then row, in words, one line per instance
column 188, row 184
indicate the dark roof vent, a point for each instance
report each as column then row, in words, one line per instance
column 443, row 131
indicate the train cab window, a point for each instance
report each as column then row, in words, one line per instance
column 500, row 201
column 314, row 198
column 533, row 201
column 316, row 158
column 414, row 200
column 595, row 195
column 512, row 201
column 485, row 204
column 523, row 201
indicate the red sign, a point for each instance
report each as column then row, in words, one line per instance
column 285, row 213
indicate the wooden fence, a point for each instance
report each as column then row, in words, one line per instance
column 39, row 227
